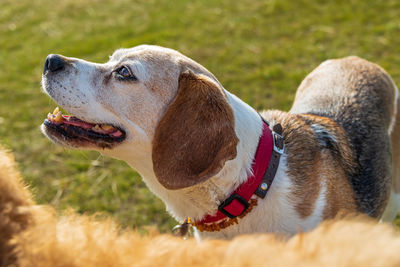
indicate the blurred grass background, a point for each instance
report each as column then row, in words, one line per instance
column 259, row 50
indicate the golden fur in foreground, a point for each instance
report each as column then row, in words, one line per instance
column 33, row 236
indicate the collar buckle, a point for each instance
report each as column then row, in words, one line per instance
column 278, row 142
column 230, row 201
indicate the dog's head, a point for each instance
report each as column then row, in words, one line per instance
column 144, row 97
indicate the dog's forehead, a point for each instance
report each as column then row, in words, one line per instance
column 152, row 57
column 145, row 52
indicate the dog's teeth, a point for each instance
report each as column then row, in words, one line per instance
column 58, row 117
column 106, row 127
column 56, row 110
column 97, row 128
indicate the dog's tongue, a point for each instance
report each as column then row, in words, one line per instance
column 77, row 122
column 106, row 129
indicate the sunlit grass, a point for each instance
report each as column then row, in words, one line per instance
column 259, row 50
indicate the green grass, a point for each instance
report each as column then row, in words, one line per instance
column 259, row 50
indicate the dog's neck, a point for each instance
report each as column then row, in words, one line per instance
column 202, row 199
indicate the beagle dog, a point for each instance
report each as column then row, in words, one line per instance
column 208, row 155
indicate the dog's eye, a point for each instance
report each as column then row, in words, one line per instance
column 125, row 73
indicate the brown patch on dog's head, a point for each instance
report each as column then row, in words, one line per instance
column 196, row 135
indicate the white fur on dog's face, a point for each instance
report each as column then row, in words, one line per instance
column 94, row 94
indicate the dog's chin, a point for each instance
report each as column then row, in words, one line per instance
column 81, row 135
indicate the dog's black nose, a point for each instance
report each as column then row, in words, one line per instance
column 53, row 63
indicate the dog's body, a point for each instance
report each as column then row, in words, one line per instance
column 193, row 142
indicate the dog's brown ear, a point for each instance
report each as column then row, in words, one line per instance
column 196, row 135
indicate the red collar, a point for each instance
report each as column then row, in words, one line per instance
column 264, row 167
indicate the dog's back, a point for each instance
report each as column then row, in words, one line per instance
column 361, row 98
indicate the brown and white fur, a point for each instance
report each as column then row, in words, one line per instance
column 193, row 142
column 34, row 235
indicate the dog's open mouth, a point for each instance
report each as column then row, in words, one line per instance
column 76, row 132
